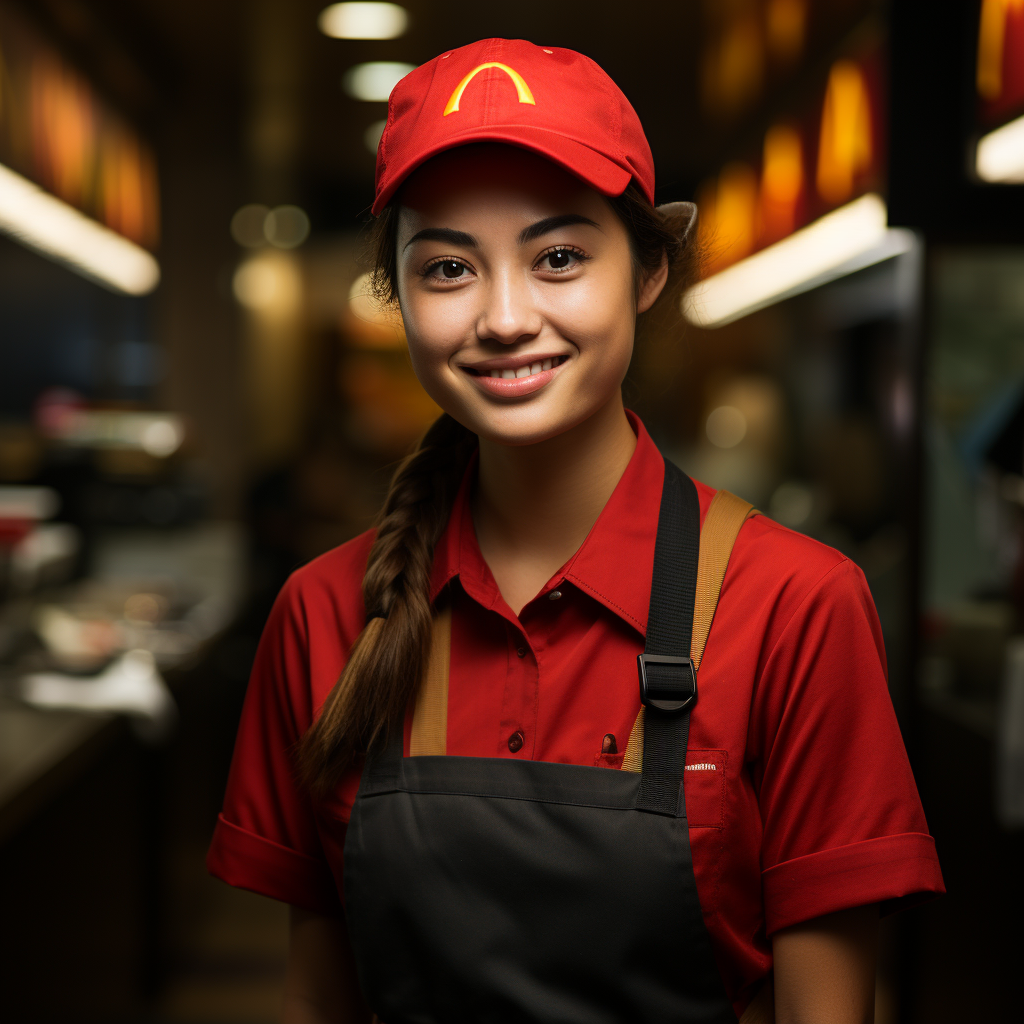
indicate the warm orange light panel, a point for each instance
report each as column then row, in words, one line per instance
column 1000, row 68
column 732, row 65
column 786, row 23
column 845, row 147
column 730, row 230
column 782, row 182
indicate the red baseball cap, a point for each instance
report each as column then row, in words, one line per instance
column 554, row 102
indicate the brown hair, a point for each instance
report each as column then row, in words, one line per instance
column 388, row 658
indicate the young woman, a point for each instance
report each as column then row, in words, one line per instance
column 430, row 765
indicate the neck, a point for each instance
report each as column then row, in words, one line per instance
column 535, row 504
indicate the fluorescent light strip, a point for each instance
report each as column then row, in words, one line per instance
column 50, row 226
column 848, row 239
column 1000, row 154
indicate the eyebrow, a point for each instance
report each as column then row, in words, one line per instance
column 449, row 235
column 528, row 234
column 563, row 220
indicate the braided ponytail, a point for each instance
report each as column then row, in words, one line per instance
column 387, row 658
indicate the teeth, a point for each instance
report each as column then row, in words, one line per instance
column 525, row 371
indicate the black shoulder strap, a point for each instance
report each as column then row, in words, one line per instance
column 668, row 684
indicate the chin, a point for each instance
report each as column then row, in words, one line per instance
column 519, row 426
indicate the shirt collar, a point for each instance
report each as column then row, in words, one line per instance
column 613, row 565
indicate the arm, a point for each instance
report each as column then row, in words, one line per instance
column 825, row 969
column 321, row 986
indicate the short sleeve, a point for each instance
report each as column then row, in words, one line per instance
column 266, row 838
column 842, row 822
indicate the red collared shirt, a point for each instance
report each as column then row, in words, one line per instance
column 799, row 796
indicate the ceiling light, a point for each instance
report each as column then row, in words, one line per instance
column 50, row 226
column 287, row 227
column 254, row 225
column 375, row 80
column 269, row 284
column 247, row 225
column 363, row 21
column 1000, row 154
column 848, row 239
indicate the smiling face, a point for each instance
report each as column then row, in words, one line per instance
column 517, row 292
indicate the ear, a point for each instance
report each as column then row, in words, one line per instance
column 652, row 286
column 682, row 216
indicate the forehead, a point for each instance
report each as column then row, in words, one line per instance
column 487, row 180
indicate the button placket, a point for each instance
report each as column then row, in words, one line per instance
column 519, row 705
column 518, row 642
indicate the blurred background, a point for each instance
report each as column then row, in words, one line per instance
column 197, row 396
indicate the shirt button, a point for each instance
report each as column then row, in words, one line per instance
column 515, row 741
column 554, row 595
column 521, row 651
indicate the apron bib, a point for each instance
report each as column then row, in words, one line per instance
column 494, row 890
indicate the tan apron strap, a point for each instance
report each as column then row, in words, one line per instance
column 761, row 1009
column 721, row 528
column 726, row 515
column 430, row 715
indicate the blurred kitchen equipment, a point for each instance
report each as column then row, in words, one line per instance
column 1010, row 740
column 131, row 685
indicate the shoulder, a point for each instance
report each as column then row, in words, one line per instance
column 773, row 552
column 315, row 620
column 326, row 593
column 778, row 554
column 779, row 580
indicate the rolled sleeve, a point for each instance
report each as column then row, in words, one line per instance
column 893, row 871
column 248, row 861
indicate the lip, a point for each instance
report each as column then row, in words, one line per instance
column 517, row 387
column 513, row 362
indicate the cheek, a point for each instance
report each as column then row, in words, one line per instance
column 600, row 318
column 433, row 331
column 428, row 362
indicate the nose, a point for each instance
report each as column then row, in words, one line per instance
column 509, row 313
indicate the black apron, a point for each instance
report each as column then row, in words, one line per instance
column 493, row 890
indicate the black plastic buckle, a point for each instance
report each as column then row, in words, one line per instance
column 667, row 698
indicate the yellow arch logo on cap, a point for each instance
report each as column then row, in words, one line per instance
column 525, row 96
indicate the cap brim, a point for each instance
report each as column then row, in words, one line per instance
column 595, row 169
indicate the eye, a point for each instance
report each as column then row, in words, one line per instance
column 446, row 270
column 561, row 259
